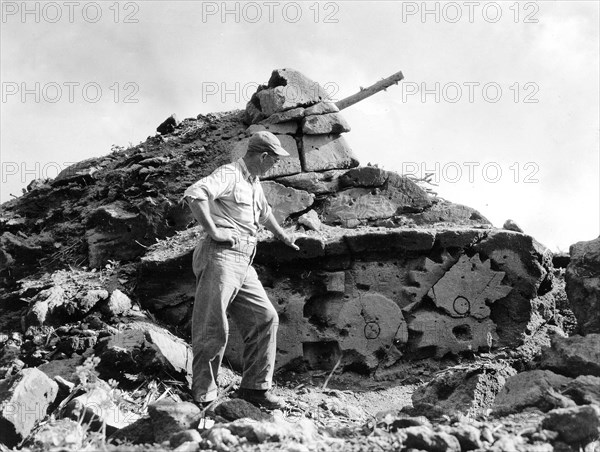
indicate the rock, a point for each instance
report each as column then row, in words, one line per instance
column 446, row 334
column 168, row 125
column 252, row 114
column 573, row 356
column 583, row 284
column 445, row 212
column 63, row 434
column 313, row 182
column 289, row 89
column 238, row 408
column 508, row 443
column 321, row 108
column 468, row 288
column 286, row 165
column 467, row 435
column 423, row 438
column 286, row 201
column 86, row 301
column 46, row 304
column 172, row 417
column 65, row 368
column 144, row 347
column 112, row 234
column 510, row 225
column 279, row 128
column 329, row 123
column 467, row 392
column 177, row 439
column 118, row 304
column 577, row 426
column 365, row 176
column 310, row 220
column 278, row 430
column 97, row 407
column 284, row 116
column 325, row 152
column 80, row 172
column 139, row 432
column 24, row 400
column 536, row 388
column 584, row 390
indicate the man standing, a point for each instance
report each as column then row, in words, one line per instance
column 230, row 205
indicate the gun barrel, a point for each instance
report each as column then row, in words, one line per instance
column 368, row 92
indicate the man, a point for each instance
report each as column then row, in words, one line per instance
column 230, row 205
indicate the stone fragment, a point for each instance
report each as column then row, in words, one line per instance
column 24, row 400
column 536, row 388
column 289, row 89
column 45, row 304
column 252, row 114
column 139, row 432
column 468, row 288
column 177, row 439
column 423, row 438
column 112, row 233
column 168, row 125
column 279, row 128
column 467, row 435
column 170, row 417
column 510, row 225
column 81, row 172
column 284, row 116
column 446, row 212
column 583, row 284
column 61, row 434
column 238, row 408
column 584, row 390
column 321, row 108
column 467, row 392
column 573, row 356
column 313, row 182
column 145, row 347
column 285, row 200
column 86, row 301
column 118, row 303
column 450, row 335
column 310, row 220
column 278, row 430
column 65, row 368
column 325, row 152
column 576, row 426
column 97, row 407
column 330, row 123
column 364, row 176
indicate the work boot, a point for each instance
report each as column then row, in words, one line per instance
column 261, row 398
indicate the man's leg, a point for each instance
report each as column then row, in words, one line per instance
column 257, row 321
column 215, row 288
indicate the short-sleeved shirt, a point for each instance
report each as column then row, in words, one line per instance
column 236, row 198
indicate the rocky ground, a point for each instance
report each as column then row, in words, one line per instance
column 474, row 341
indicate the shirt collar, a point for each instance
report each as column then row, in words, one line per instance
column 249, row 177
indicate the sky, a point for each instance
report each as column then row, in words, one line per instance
column 500, row 100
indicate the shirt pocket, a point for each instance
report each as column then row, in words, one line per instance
column 242, row 196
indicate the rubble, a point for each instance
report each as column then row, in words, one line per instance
column 573, row 356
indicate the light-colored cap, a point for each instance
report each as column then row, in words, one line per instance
column 264, row 141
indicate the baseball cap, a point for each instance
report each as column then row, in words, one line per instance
column 264, row 141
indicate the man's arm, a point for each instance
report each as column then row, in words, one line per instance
column 201, row 213
column 272, row 225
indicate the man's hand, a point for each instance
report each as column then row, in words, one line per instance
column 225, row 235
column 289, row 240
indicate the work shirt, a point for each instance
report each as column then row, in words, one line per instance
column 235, row 197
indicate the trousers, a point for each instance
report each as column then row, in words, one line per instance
column 227, row 283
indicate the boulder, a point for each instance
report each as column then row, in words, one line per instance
column 118, row 304
column 573, row 356
column 80, row 172
column 510, row 225
column 584, row 390
column 170, row 417
column 45, row 305
column 536, row 388
column 284, row 116
column 144, row 347
column 321, row 108
column 325, row 152
column 443, row 334
column 289, row 89
column 583, row 284
column 286, row 165
column 576, row 426
column 329, row 123
column 424, row 438
column 285, row 200
column 24, row 400
column 168, row 125
column 468, row 392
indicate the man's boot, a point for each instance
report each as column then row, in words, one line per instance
column 262, row 398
